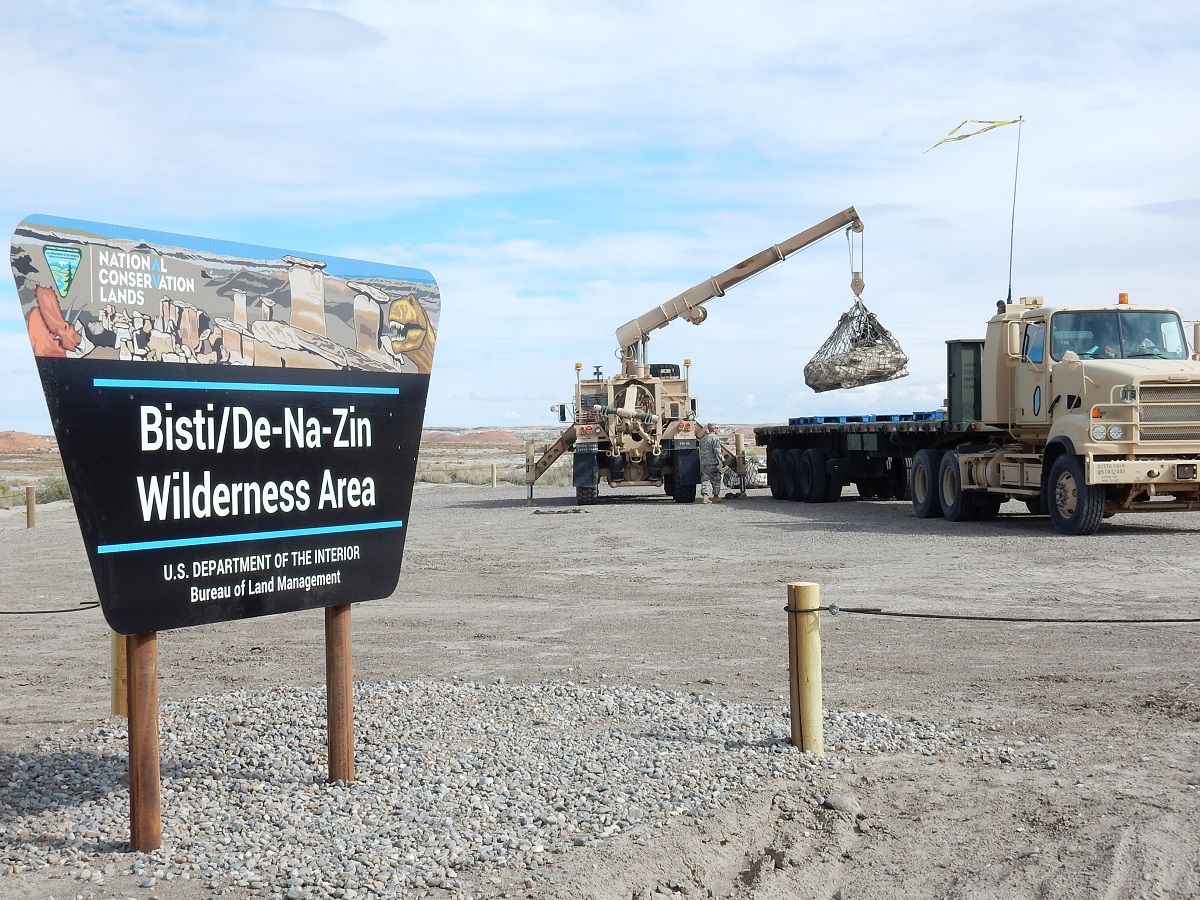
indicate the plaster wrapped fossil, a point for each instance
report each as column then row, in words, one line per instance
column 860, row 351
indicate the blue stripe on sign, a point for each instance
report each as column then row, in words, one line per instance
column 255, row 536
column 238, row 386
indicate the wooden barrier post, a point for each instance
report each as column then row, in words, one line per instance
column 804, row 666
column 493, row 475
column 118, row 700
column 339, row 692
column 30, row 507
column 145, row 802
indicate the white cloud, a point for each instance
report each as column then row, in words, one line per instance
column 561, row 168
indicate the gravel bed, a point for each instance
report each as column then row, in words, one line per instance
column 455, row 783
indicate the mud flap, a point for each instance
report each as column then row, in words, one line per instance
column 586, row 468
column 686, row 466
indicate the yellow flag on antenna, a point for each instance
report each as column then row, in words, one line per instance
column 988, row 123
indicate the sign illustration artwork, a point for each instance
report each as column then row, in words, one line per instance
column 239, row 424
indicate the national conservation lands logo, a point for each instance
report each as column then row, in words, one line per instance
column 63, row 263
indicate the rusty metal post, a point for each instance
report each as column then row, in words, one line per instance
column 339, row 692
column 145, row 800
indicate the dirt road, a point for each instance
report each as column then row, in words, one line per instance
column 1094, row 791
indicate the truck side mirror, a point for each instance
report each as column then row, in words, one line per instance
column 1015, row 340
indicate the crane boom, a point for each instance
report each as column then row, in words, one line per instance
column 689, row 304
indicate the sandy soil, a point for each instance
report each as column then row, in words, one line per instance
column 690, row 598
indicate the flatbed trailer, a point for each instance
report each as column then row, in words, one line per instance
column 811, row 459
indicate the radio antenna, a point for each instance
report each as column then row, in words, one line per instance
column 1012, row 225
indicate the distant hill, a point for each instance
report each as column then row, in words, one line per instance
column 20, row 442
column 17, row 442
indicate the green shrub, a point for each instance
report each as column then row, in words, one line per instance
column 54, row 488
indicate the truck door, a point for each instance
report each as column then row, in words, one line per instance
column 1030, row 387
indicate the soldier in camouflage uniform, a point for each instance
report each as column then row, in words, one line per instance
column 710, row 466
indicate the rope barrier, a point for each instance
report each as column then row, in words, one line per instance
column 833, row 609
column 45, row 612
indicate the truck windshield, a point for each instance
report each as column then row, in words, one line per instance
column 1118, row 334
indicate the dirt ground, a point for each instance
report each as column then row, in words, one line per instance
column 649, row 592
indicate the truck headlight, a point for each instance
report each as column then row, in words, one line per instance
column 1099, row 432
column 1116, row 432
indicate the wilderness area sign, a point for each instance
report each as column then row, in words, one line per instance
column 239, row 425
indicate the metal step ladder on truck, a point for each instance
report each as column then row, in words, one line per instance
column 639, row 428
column 1081, row 412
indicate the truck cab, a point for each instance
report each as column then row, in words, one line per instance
column 1106, row 396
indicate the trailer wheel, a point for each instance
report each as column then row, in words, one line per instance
column 957, row 504
column 586, row 496
column 813, row 477
column 775, row 473
column 833, row 484
column 791, row 474
column 1075, row 506
column 923, row 485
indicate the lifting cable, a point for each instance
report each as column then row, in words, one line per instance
column 833, row 609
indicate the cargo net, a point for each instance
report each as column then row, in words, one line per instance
column 860, row 351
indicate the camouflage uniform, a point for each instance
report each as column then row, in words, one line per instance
column 710, row 465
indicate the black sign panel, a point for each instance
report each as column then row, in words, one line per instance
column 239, row 425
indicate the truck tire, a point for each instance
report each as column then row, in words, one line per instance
column 1075, row 506
column 586, row 496
column 775, row 473
column 669, row 485
column 833, row 485
column 1035, row 507
column 957, row 504
column 813, row 477
column 684, row 493
column 791, row 474
column 923, row 485
column 868, row 488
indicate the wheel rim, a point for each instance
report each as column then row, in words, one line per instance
column 920, row 483
column 949, row 485
column 1066, row 495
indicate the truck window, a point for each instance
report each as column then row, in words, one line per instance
column 1033, row 345
column 1118, row 334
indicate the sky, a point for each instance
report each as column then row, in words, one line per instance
column 562, row 167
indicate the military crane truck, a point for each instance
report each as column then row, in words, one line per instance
column 1079, row 411
column 639, row 428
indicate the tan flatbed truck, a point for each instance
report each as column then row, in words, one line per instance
column 1081, row 411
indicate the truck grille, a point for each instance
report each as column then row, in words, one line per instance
column 1169, row 412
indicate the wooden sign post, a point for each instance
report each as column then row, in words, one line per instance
column 339, row 692
column 145, row 804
